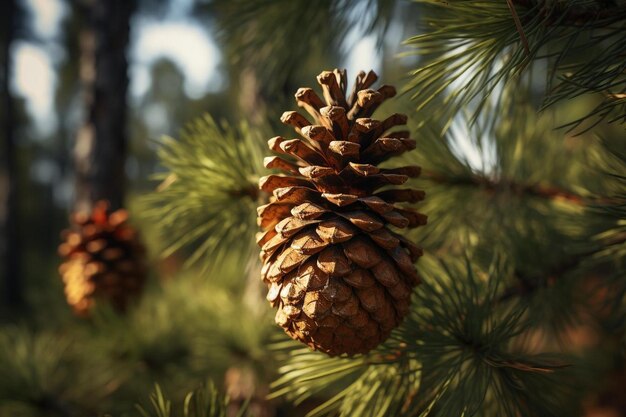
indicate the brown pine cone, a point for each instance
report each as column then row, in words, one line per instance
column 104, row 259
column 339, row 276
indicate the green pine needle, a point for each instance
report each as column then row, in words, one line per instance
column 44, row 373
column 454, row 355
column 206, row 203
column 202, row 402
column 473, row 48
column 271, row 35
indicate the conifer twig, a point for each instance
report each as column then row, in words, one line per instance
column 528, row 285
column 559, row 14
column 536, row 190
column 518, row 25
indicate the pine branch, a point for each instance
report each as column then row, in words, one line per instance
column 450, row 355
column 206, row 203
column 518, row 25
column 271, row 38
column 560, row 13
column 511, row 186
column 527, row 285
column 472, row 50
column 614, row 238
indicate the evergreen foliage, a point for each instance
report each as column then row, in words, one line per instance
column 456, row 354
column 473, row 48
column 43, row 373
column 202, row 402
column 307, row 30
column 179, row 335
column 213, row 170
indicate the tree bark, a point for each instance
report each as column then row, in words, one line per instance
column 101, row 143
column 9, row 216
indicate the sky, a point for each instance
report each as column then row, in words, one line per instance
column 178, row 38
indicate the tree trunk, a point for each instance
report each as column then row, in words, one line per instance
column 9, row 221
column 101, row 143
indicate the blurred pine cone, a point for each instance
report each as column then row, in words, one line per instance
column 340, row 278
column 103, row 259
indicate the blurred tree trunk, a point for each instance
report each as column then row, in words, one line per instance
column 9, row 221
column 68, row 92
column 101, row 143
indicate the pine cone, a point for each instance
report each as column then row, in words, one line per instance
column 103, row 260
column 340, row 278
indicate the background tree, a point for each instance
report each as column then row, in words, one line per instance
column 101, row 144
column 10, row 236
column 8, row 212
